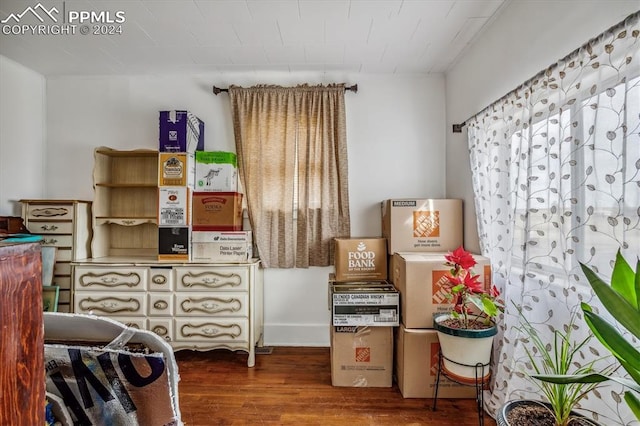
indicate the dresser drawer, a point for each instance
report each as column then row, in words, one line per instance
column 198, row 279
column 163, row 327
column 50, row 227
column 122, row 279
column 213, row 330
column 57, row 240
column 106, row 303
column 221, row 304
column 160, row 279
column 133, row 322
column 161, row 304
column 50, row 211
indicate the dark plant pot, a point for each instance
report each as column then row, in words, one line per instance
column 503, row 412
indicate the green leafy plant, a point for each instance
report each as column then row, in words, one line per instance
column 622, row 300
column 558, row 358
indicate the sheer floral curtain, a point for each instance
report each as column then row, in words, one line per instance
column 556, row 176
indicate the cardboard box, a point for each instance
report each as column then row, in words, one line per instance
column 219, row 211
column 365, row 304
column 416, row 366
column 216, row 171
column 180, row 131
column 221, row 246
column 429, row 225
column 361, row 356
column 420, row 277
column 173, row 242
column 174, row 206
column 361, row 259
column 176, row 169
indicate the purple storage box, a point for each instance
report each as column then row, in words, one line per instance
column 180, row 131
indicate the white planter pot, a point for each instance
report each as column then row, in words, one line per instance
column 463, row 350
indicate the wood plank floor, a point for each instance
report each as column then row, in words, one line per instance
column 292, row 385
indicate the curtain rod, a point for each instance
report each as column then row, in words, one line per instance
column 457, row 128
column 218, row 90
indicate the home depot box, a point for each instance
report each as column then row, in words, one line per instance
column 216, row 171
column 420, row 278
column 180, row 131
column 362, row 304
column 416, row 366
column 422, row 224
column 361, row 356
column 173, row 242
column 176, row 169
column 361, row 259
column 217, row 211
column 221, row 246
column 173, row 206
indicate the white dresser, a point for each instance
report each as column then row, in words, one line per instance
column 66, row 225
column 192, row 305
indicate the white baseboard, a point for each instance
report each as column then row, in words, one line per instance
column 316, row 335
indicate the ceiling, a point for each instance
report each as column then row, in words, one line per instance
column 165, row 36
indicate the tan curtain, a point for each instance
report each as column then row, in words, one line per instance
column 292, row 150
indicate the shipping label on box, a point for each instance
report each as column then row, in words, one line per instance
column 362, row 356
column 173, row 206
column 365, row 306
column 217, row 211
column 221, row 246
column 431, row 225
column 176, row 169
column 173, row 242
column 180, row 131
column 421, row 279
column 417, row 378
column 361, row 259
column 216, row 171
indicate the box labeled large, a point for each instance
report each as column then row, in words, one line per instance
column 421, row 279
column 432, row 225
column 173, row 242
column 173, row 206
column 361, row 356
column 180, row 131
column 176, row 169
column 365, row 304
column 217, row 211
column 416, row 366
column 221, row 246
column 216, row 171
column 361, row 259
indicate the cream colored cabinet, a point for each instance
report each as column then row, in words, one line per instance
column 191, row 305
column 66, row 225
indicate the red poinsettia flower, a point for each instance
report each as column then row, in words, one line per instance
column 494, row 291
column 461, row 258
column 473, row 283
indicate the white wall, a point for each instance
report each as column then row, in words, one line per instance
column 528, row 36
column 22, row 135
column 395, row 131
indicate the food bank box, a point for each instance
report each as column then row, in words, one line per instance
column 365, row 304
column 176, row 169
column 173, row 242
column 416, row 366
column 360, row 259
column 173, row 206
column 216, row 171
column 180, row 131
column 217, row 211
column 422, row 224
column 421, row 279
column 361, row 356
column 221, row 246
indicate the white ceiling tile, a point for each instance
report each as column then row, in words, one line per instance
column 264, row 31
column 273, row 9
column 327, row 10
column 298, row 31
column 248, row 55
column 375, row 8
column 278, row 54
column 210, row 55
column 219, row 34
column 223, row 11
column 175, row 11
column 348, row 30
column 324, row 53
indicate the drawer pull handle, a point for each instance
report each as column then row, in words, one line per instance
column 161, row 304
column 211, row 305
column 211, row 330
column 132, row 325
column 211, row 279
column 160, row 330
column 48, row 228
column 49, row 242
column 159, row 279
column 49, row 212
column 110, row 305
column 128, row 222
column 109, row 279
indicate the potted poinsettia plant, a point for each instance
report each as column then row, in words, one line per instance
column 466, row 331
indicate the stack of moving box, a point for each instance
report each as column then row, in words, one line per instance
column 420, row 233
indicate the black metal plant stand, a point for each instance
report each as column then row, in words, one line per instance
column 479, row 383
